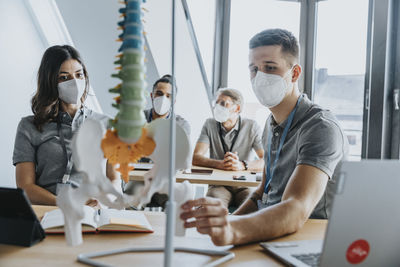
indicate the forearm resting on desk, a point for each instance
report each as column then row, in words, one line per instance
column 275, row 221
column 39, row 196
column 210, row 217
column 302, row 193
column 25, row 178
column 200, row 160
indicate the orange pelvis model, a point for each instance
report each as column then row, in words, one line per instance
column 118, row 152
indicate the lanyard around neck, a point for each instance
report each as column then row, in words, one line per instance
column 234, row 138
column 68, row 168
column 271, row 169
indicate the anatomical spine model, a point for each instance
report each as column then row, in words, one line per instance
column 129, row 140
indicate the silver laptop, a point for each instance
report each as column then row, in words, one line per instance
column 364, row 226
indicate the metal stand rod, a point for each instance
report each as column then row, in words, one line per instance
column 171, row 205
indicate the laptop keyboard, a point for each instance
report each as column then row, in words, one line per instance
column 311, row 259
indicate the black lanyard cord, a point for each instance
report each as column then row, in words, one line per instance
column 68, row 168
column 234, row 138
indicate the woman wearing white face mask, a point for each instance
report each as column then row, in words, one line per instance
column 231, row 140
column 42, row 152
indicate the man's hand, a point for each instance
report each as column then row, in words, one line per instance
column 210, row 217
column 232, row 162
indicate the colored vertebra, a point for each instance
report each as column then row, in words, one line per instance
column 130, row 101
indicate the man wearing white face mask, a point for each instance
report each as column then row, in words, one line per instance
column 232, row 141
column 161, row 101
column 303, row 145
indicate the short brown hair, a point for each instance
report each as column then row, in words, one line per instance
column 285, row 39
column 167, row 78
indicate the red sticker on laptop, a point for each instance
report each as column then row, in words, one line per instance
column 358, row 251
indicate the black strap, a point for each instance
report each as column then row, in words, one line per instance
column 68, row 168
column 222, row 138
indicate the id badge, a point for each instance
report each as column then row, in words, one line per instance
column 65, row 178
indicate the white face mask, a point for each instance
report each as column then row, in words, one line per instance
column 161, row 104
column 221, row 114
column 270, row 89
column 71, row 91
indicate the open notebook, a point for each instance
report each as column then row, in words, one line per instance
column 103, row 220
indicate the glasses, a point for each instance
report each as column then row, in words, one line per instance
column 224, row 103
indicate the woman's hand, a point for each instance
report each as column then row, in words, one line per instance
column 93, row 203
column 210, row 217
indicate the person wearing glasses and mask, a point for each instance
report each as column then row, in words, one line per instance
column 234, row 144
column 303, row 143
column 42, row 149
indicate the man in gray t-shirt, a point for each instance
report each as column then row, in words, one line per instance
column 233, row 142
column 304, row 146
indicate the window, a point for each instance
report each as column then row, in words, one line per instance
column 247, row 19
column 340, row 65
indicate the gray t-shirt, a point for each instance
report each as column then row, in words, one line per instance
column 314, row 138
column 179, row 120
column 248, row 139
column 45, row 148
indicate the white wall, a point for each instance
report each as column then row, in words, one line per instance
column 20, row 53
